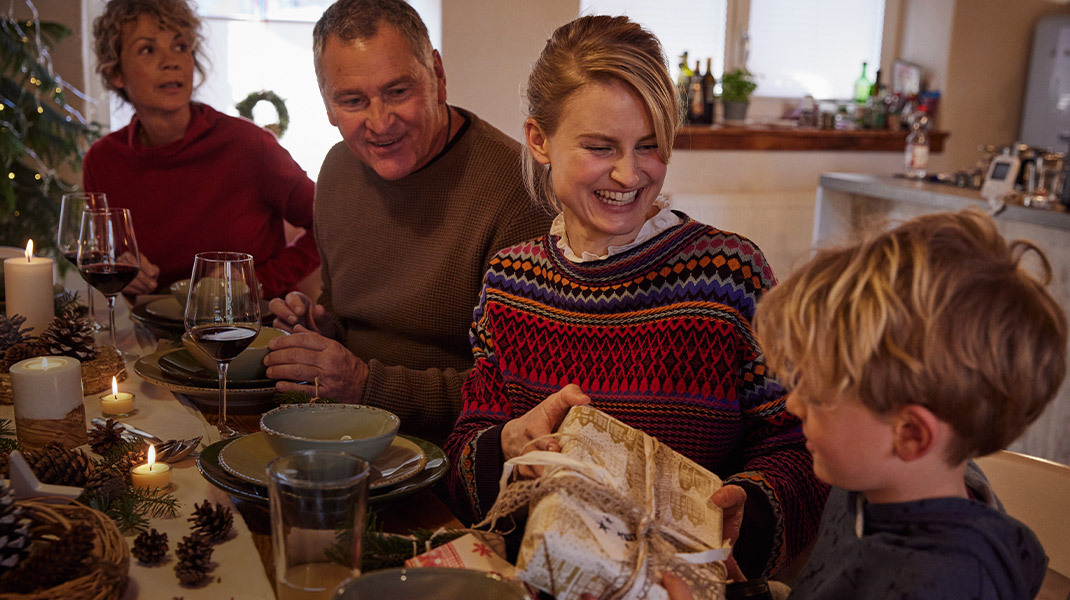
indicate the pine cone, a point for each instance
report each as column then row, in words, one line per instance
column 194, row 559
column 69, row 335
column 58, row 465
column 12, row 332
column 150, row 547
column 108, row 485
column 213, row 525
column 105, row 437
column 65, row 559
column 18, row 352
column 14, row 531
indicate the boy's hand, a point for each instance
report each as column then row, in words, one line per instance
column 731, row 500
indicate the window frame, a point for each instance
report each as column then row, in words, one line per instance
column 737, row 25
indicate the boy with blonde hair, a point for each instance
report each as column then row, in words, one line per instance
column 907, row 355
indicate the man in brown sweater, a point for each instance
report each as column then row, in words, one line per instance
column 409, row 210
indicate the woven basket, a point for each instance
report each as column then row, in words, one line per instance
column 96, row 374
column 107, row 578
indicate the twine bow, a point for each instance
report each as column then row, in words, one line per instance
column 655, row 547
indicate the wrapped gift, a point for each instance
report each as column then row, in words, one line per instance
column 479, row 551
column 612, row 511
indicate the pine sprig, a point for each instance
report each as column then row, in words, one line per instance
column 381, row 550
column 299, row 397
column 8, row 441
column 132, row 510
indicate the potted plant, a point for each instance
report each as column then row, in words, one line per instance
column 736, row 87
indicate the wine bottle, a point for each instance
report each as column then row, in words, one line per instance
column 917, row 148
column 863, row 86
column 696, row 98
column 709, row 82
column 683, row 82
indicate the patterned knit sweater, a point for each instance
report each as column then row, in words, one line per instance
column 659, row 337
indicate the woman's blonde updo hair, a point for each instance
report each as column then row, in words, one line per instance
column 173, row 15
column 598, row 48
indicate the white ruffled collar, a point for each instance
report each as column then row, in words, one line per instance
column 662, row 220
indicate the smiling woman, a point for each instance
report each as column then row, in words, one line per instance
column 644, row 311
column 195, row 180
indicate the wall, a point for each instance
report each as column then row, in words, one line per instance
column 987, row 67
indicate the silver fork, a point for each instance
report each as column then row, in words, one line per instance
column 168, row 451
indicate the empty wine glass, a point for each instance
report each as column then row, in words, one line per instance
column 107, row 257
column 223, row 313
column 70, row 223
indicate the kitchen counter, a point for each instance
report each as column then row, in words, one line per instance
column 849, row 204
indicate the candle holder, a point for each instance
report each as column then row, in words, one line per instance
column 152, row 476
column 47, row 393
column 117, row 405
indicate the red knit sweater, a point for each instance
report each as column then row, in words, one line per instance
column 227, row 185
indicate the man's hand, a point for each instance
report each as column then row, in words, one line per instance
column 542, row 420
column 297, row 309
column 731, row 500
column 305, row 355
column 145, row 282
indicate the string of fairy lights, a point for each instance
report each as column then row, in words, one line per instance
column 44, row 83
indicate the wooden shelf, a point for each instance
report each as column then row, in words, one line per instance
column 759, row 137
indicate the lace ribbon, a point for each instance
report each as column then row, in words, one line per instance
column 655, row 548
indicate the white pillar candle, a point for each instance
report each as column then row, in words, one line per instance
column 47, row 393
column 152, row 474
column 28, row 289
column 117, row 404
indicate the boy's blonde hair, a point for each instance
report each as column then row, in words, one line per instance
column 937, row 312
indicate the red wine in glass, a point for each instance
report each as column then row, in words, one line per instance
column 110, row 279
column 222, row 342
column 223, row 313
column 107, row 256
column 68, row 227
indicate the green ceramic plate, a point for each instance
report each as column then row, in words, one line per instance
column 436, row 467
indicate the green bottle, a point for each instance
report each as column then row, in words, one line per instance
column 863, row 87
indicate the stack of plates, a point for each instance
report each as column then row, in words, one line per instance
column 238, row 466
column 179, row 372
column 164, row 314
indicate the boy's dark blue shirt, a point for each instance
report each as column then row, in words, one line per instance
column 937, row 548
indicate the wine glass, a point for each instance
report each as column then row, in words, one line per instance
column 223, row 313
column 107, row 257
column 70, row 223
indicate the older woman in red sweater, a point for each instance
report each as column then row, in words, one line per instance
column 193, row 178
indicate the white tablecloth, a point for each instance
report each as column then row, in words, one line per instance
column 239, row 573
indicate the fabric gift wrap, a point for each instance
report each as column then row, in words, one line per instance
column 612, row 511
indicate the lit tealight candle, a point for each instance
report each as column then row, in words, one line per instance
column 117, row 404
column 151, row 474
column 28, row 285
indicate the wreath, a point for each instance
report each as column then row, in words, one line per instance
column 245, row 109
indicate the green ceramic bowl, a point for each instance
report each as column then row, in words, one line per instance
column 364, row 431
column 247, row 365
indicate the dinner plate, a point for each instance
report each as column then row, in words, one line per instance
column 180, row 365
column 248, row 457
column 429, row 582
column 434, row 469
column 141, row 313
column 166, row 308
column 244, row 395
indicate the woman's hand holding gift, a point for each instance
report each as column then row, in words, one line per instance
column 540, row 421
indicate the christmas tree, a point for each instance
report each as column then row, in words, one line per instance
column 40, row 133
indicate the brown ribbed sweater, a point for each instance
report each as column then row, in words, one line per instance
column 403, row 263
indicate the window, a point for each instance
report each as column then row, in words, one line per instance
column 254, row 45
column 794, row 47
